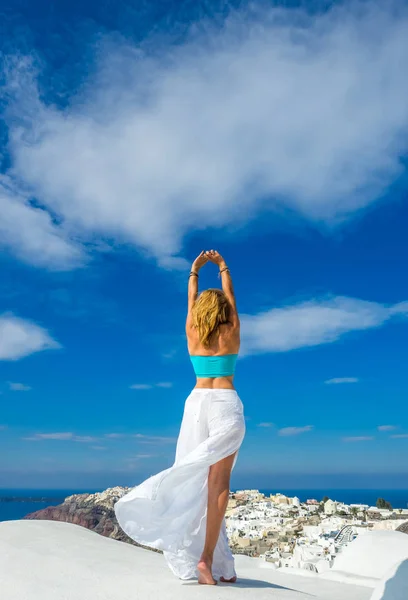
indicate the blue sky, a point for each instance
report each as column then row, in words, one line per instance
column 133, row 138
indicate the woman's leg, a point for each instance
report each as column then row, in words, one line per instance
column 218, row 495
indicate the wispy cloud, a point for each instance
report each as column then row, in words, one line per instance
column 281, row 82
column 399, row 435
column 141, row 456
column 287, row 431
column 313, row 323
column 141, row 386
column 3, row 427
column 20, row 337
column 115, row 436
column 98, row 447
column 61, row 436
column 386, row 427
column 358, row 438
column 154, row 439
column 51, row 436
column 19, row 387
column 170, row 354
column 337, row 380
column 265, row 424
column 149, row 386
column 84, row 438
column 133, row 462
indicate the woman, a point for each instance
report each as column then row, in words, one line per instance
column 181, row 510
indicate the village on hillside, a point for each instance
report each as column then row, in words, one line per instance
column 308, row 535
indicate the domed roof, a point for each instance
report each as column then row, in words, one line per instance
column 403, row 527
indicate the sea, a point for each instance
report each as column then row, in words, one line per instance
column 17, row 503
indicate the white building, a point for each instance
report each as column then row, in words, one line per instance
column 330, row 507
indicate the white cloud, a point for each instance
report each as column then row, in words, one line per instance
column 19, row 387
column 170, row 354
column 61, row 436
column 149, row 386
column 154, row 439
column 84, row 438
column 399, row 435
column 386, row 427
column 141, row 386
column 20, row 337
column 287, row 431
column 266, row 424
column 31, row 234
column 133, row 462
column 358, row 438
column 72, row 437
column 139, row 456
column 338, row 380
column 312, row 323
column 278, row 108
column 51, row 436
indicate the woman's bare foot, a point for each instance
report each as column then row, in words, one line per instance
column 232, row 580
column 204, row 573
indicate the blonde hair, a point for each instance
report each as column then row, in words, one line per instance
column 210, row 310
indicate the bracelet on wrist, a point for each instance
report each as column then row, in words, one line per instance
column 193, row 273
column 222, row 271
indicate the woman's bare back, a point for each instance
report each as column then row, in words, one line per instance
column 227, row 342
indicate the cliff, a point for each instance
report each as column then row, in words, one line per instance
column 92, row 511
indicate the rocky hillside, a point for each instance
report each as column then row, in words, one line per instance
column 93, row 511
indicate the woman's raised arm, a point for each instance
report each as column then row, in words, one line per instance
column 193, row 284
column 226, row 280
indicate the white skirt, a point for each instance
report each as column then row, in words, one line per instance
column 168, row 511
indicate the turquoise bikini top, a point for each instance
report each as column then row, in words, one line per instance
column 214, row 366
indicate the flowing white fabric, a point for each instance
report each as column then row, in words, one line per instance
column 168, row 510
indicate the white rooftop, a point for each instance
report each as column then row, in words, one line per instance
column 47, row 560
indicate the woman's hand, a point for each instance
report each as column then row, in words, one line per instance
column 215, row 257
column 200, row 261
